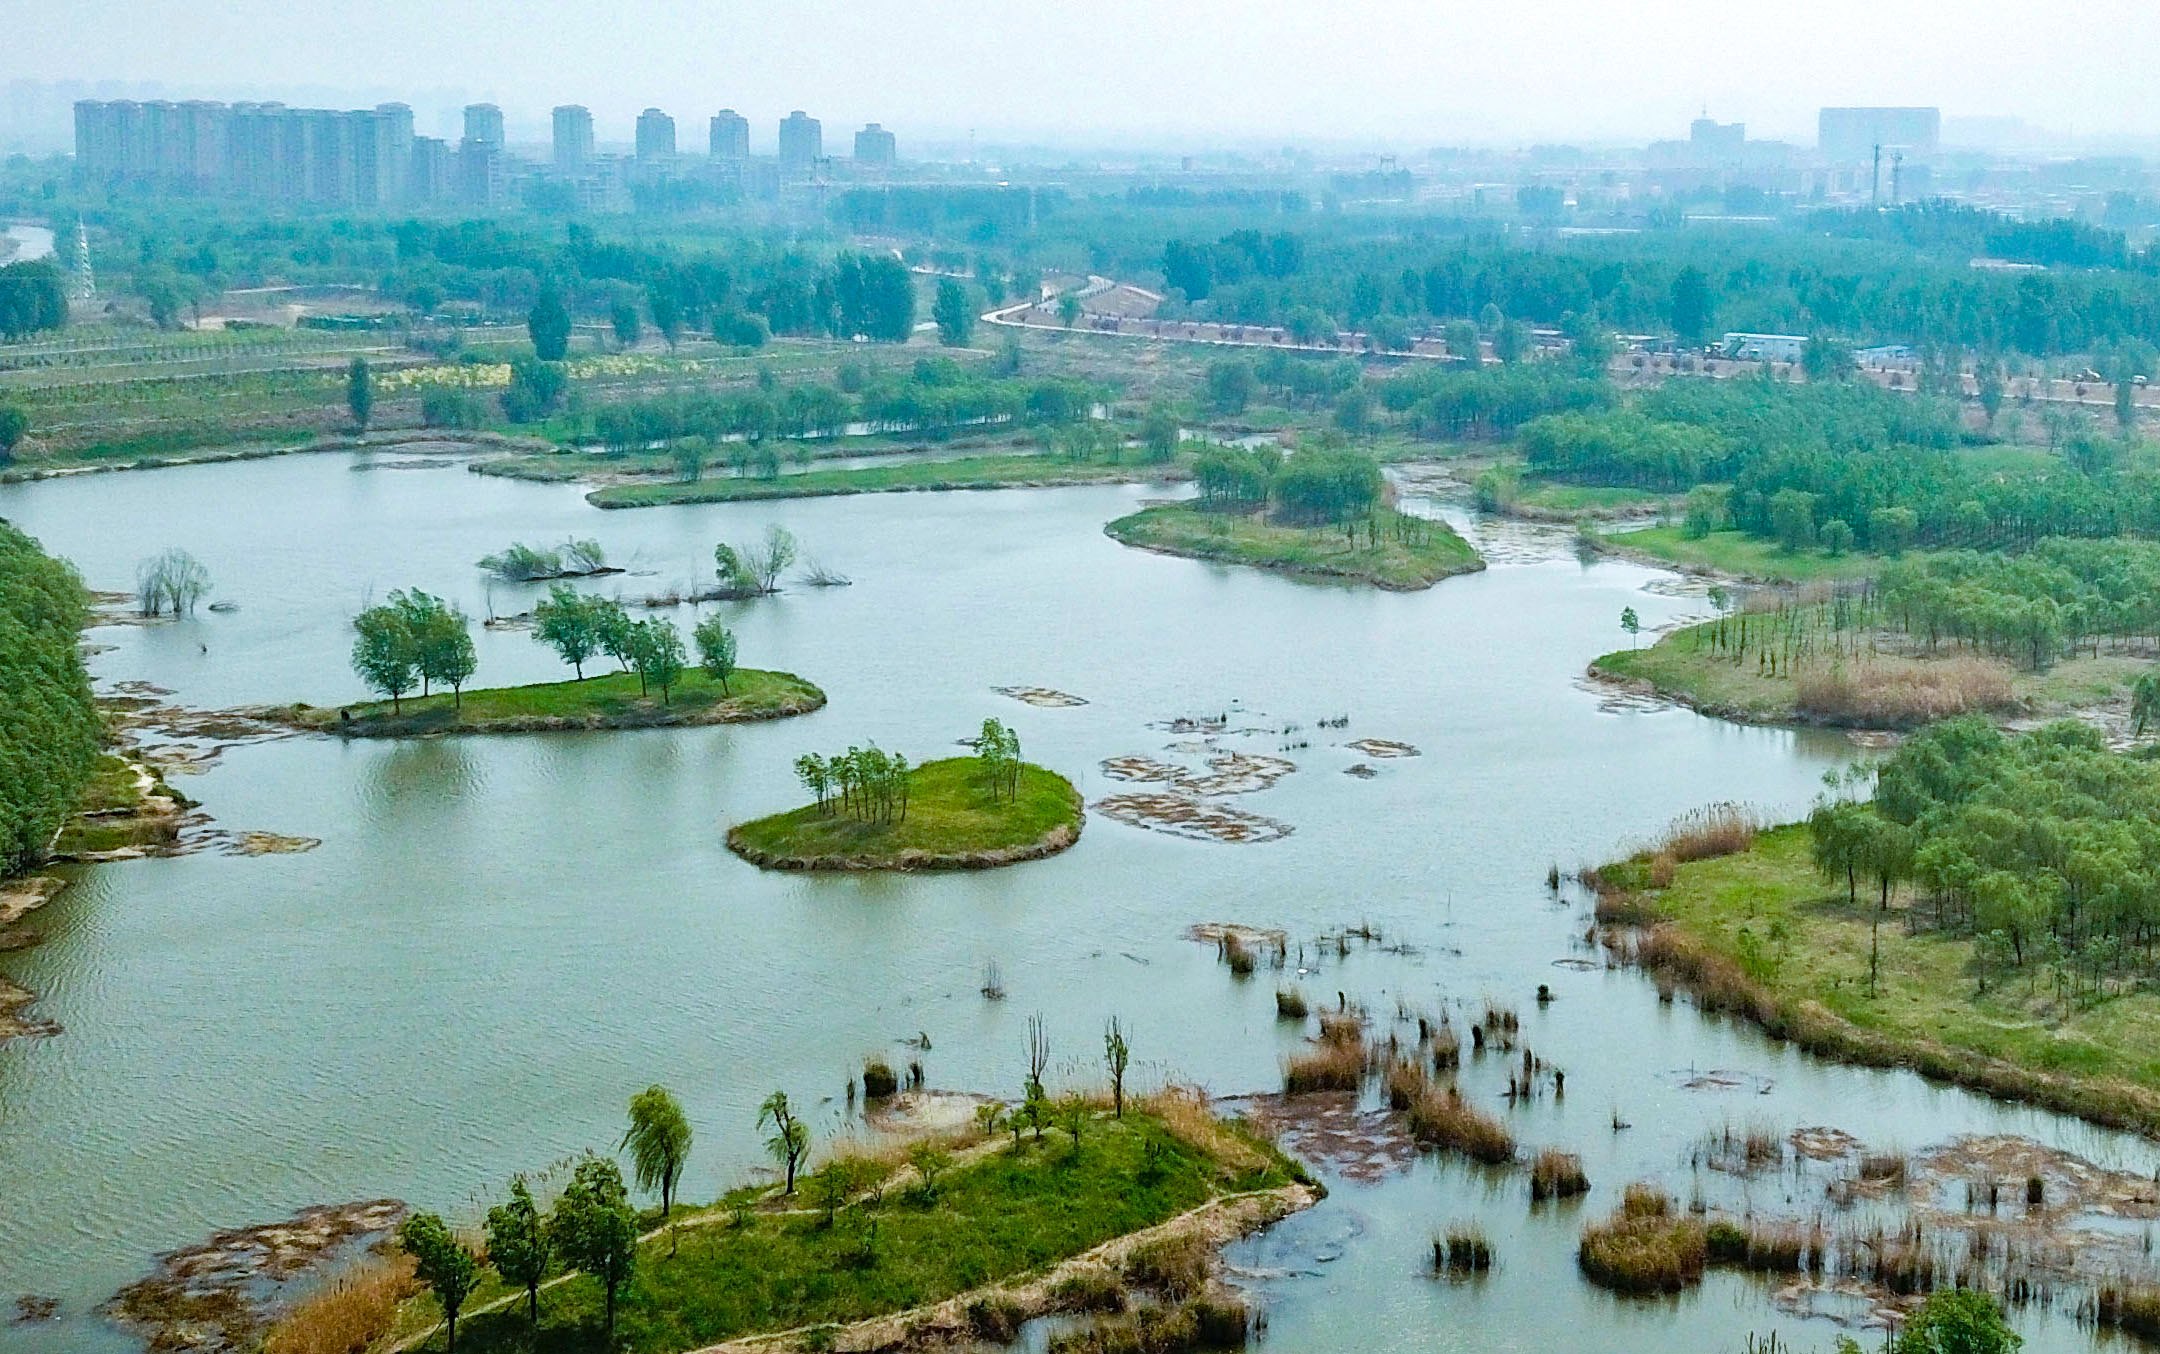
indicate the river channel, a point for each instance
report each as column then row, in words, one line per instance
column 501, row 939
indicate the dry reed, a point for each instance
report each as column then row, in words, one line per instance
column 1444, row 1119
column 1897, row 692
column 348, row 1314
column 1557, row 1175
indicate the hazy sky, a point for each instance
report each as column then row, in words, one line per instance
column 1414, row 73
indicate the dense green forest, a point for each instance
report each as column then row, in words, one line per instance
column 49, row 728
column 1789, row 460
column 2044, row 846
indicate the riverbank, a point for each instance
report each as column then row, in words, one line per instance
column 1758, row 933
column 951, row 823
column 1013, row 1228
column 1736, row 557
column 1891, row 687
column 606, row 701
column 967, row 472
column 158, row 453
column 1405, row 554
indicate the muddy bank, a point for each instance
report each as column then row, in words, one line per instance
column 1057, row 839
column 219, row 1296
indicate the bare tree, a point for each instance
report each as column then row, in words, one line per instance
column 173, row 581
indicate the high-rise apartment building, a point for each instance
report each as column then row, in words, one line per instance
column 802, row 145
column 573, row 137
column 730, row 135
column 254, row 150
column 484, row 123
column 655, row 136
column 876, row 148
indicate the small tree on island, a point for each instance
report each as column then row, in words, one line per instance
column 1631, row 623
column 716, row 654
column 659, row 1143
column 441, row 638
column 997, row 747
column 384, row 655
column 441, row 1262
column 1117, row 1056
column 656, row 651
column 517, row 1245
column 594, row 1229
column 790, row 1141
column 570, row 624
column 359, row 393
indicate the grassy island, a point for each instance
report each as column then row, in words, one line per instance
column 1005, row 471
column 1393, row 551
column 1736, row 555
column 1888, row 942
column 951, row 821
column 1014, row 1226
column 611, row 701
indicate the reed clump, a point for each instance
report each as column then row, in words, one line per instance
column 1290, row 1004
column 1643, row 1247
column 1325, row 1067
column 1443, row 1119
column 1896, row 692
column 995, row 1319
column 347, row 1315
column 879, row 1080
column 1238, row 955
column 1446, row 1050
column 1557, row 1175
column 1212, row 1321
column 1175, row 1266
column 1407, row 1083
column 1711, row 831
column 1090, row 1288
column 1462, row 1249
column 2129, row 1306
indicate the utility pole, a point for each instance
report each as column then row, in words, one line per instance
column 1897, row 174
column 1875, row 184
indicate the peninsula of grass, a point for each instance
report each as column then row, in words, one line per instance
column 127, row 808
column 1739, row 556
column 1760, row 934
column 610, row 701
column 1401, row 553
column 966, row 472
column 1016, row 1227
column 951, row 821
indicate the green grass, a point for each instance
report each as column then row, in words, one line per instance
column 1432, row 552
column 966, row 472
column 608, row 700
column 1001, row 1216
column 1556, row 496
column 952, row 820
column 1744, row 556
column 1812, row 943
column 115, row 790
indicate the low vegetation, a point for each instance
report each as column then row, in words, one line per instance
column 1385, row 548
column 873, row 810
column 1004, row 471
column 610, row 701
column 1958, row 922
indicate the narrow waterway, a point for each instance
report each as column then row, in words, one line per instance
column 500, row 940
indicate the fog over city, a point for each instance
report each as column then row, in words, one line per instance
column 1135, row 72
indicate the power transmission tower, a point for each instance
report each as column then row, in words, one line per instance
column 85, row 288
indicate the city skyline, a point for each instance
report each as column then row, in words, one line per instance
column 1210, row 73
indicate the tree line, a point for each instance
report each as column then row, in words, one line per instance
column 33, row 299
column 1319, row 485
column 50, row 732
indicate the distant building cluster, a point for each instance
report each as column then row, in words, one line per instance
column 372, row 158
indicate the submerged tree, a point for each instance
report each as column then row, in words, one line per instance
column 170, row 581
column 754, row 570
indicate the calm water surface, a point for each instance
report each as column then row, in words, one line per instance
column 500, row 940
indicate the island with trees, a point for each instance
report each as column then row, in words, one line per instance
column 874, row 810
column 1320, row 512
column 1983, row 914
column 416, row 641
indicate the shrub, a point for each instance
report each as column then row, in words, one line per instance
column 996, row 1319
column 1663, row 868
column 878, row 1080
column 1557, row 1175
column 1221, row 1321
column 1444, row 1119
column 1290, row 1004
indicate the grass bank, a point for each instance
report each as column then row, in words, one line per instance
column 1015, row 1231
column 1885, row 689
column 1734, row 554
column 1759, row 933
column 951, row 823
column 1405, row 554
column 126, row 809
column 609, row 701
column 966, row 472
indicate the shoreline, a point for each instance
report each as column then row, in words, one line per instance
column 937, row 796
column 1060, row 838
column 386, row 439
column 1126, row 531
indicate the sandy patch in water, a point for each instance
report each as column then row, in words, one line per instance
column 1179, row 815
